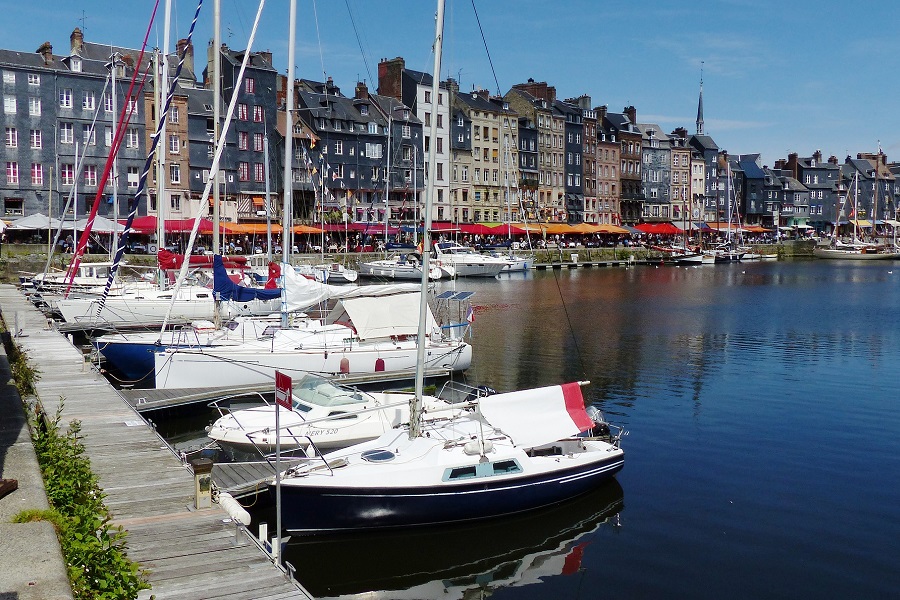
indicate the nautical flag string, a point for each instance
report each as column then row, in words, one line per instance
column 142, row 183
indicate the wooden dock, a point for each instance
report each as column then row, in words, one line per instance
column 188, row 553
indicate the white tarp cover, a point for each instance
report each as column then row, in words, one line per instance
column 101, row 225
column 384, row 316
column 35, row 221
column 303, row 293
column 538, row 416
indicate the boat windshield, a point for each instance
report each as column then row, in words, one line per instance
column 319, row 391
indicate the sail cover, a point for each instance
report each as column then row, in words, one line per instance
column 226, row 289
column 538, row 416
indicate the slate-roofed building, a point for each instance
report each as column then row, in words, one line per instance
column 535, row 101
column 608, row 165
column 494, row 159
column 822, row 179
column 623, row 126
column 754, row 208
column 573, row 167
column 49, row 103
column 414, row 89
column 254, row 120
column 656, row 172
column 680, row 178
column 528, row 167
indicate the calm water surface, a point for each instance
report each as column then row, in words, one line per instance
column 762, row 460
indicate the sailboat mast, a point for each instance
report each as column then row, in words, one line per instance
column 415, row 409
column 217, row 100
column 288, row 209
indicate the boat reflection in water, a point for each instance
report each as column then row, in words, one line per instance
column 458, row 561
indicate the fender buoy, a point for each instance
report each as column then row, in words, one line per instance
column 345, row 365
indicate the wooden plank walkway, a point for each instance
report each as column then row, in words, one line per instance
column 189, row 553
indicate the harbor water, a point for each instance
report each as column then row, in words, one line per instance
column 763, row 455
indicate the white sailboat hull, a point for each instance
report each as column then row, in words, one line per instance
column 182, row 368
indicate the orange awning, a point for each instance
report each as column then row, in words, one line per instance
column 252, row 228
column 305, row 229
column 259, row 202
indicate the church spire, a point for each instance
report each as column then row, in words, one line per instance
column 700, row 104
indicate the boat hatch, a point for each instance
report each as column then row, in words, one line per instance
column 502, row 467
column 378, row 455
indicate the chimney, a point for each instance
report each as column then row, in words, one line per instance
column 183, row 48
column 817, row 156
column 832, row 160
column 681, row 132
column 390, row 77
column 601, row 113
column 330, row 88
column 452, row 86
column 792, row 165
column 77, row 41
column 631, row 112
column 362, row 91
column 46, row 52
column 266, row 55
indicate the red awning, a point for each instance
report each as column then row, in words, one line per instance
column 147, row 225
column 661, row 228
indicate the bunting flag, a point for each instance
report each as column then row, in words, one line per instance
column 121, row 128
column 151, row 153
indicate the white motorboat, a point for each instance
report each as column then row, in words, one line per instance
column 466, row 262
column 401, row 266
column 331, row 415
column 333, row 273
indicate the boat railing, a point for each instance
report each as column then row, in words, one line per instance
column 220, row 404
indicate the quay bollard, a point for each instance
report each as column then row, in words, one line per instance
column 202, row 479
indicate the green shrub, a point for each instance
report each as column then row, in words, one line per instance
column 94, row 550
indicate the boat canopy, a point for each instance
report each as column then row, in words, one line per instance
column 226, row 289
column 382, row 317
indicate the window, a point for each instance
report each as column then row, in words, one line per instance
column 259, row 172
column 88, row 101
column 65, row 98
column 37, row 174
column 440, row 145
column 373, row 128
column 174, row 144
column 66, row 133
column 258, row 142
column 373, row 150
column 9, row 105
column 406, row 131
column 12, row 137
column 67, row 174
column 133, row 177
column 440, row 171
column 34, row 107
column 339, row 147
column 36, row 138
column 175, row 173
column 338, row 172
column 243, row 140
column 90, row 175
column 132, row 139
column 250, row 85
column 75, row 64
column 132, row 106
column 9, row 77
column 242, row 112
column 258, row 114
column 12, row 172
column 88, row 135
column 173, row 114
column 107, row 102
column 108, row 136
column 243, row 171
column 363, row 110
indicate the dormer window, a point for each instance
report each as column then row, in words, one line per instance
column 406, row 114
column 75, row 64
column 364, row 110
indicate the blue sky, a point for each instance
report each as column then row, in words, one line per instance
column 779, row 77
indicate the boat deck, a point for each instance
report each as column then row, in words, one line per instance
column 187, row 552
